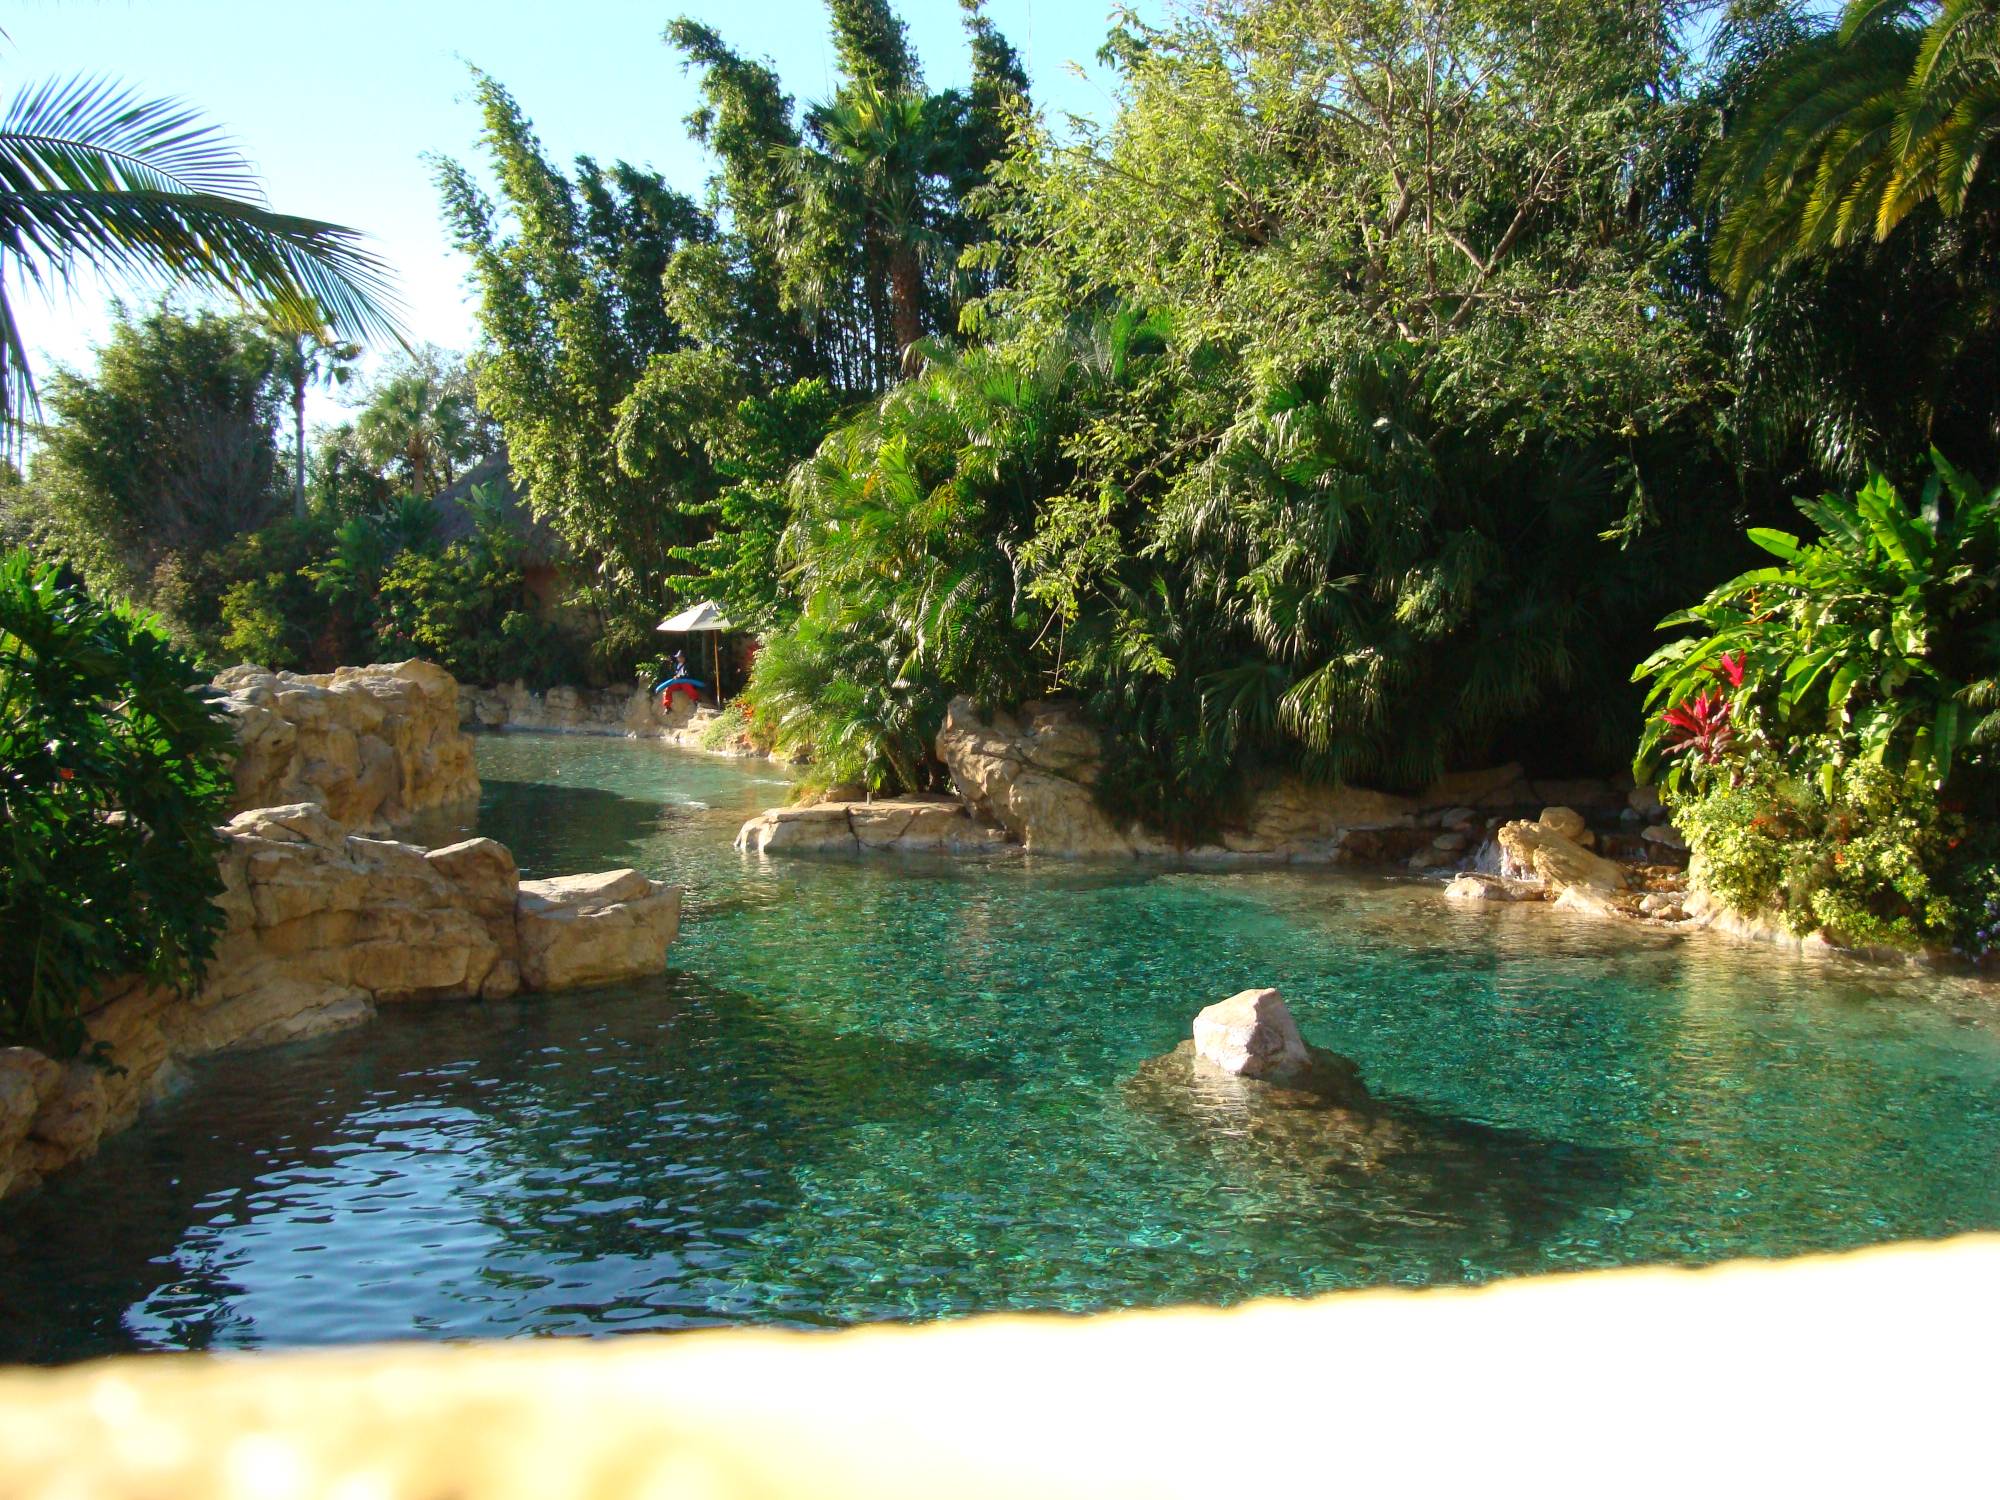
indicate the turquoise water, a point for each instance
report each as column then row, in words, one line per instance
column 896, row 1089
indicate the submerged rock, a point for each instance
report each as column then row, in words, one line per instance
column 1246, row 1067
column 1309, row 1141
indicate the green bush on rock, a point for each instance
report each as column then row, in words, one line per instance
column 1827, row 745
column 113, row 773
column 1864, row 861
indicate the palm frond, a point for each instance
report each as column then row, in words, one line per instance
column 92, row 174
column 92, row 134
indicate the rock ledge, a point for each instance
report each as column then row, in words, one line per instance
column 323, row 927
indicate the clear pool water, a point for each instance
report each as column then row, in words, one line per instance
column 896, row 1089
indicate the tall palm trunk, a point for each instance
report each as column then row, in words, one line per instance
column 906, row 291
column 299, row 451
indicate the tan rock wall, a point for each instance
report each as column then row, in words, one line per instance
column 909, row 825
column 1033, row 774
column 630, row 713
column 375, row 746
column 324, row 926
column 573, row 710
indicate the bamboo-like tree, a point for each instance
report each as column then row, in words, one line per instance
column 92, row 174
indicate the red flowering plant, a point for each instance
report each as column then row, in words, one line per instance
column 1825, row 734
column 1702, row 727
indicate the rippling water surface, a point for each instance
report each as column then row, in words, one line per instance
column 897, row 1089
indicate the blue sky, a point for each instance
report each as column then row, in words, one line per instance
column 337, row 102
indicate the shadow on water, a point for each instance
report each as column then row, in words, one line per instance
column 576, row 1182
column 574, row 827
column 1370, row 1171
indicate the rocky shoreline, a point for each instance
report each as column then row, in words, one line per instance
column 325, row 924
column 1024, row 783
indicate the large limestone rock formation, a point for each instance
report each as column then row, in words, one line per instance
column 906, row 825
column 1546, row 859
column 1547, row 850
column 375, row 746
column 1304, row 820
column 324, row 926
column 578, row 930
column 1032, row 774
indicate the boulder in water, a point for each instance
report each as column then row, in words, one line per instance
column 1251, row 1034
column 1249, row 1046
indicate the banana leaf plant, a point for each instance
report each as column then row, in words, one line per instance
column 1877, row 637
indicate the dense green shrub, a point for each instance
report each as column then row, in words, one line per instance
column 727, row 729
column 466, row 609
column 1864, row 859
column 256, row 625
column 1830, row 742
column 167, row 450
column 113, row 773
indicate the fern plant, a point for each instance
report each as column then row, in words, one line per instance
column 113, row 773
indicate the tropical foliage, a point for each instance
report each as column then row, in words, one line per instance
column 1878, row 640
column 1830, row 741
column 613, row 305
column 466, row 607
column 113, row 772
column 1351, row 402
column 1299, row 431
column 1863, row 297
column 159, row 477
column 161, row 457
column 1845, row 133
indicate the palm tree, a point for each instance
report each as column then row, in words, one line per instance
column 92, row 174
column 1848, row 132
column 417, row 423
column 306, row 359
column 873, row 184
